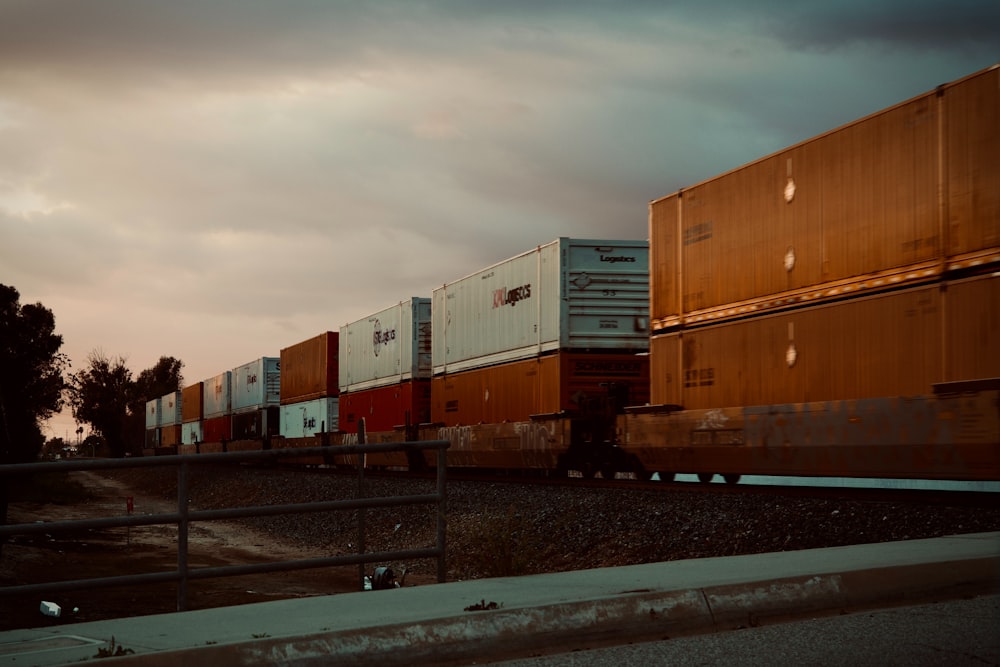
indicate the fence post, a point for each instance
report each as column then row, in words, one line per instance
column 361, row 511
column 182, row 536
column 442, row 489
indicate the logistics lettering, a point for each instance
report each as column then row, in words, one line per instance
column 504, row 296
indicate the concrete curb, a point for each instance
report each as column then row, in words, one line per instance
column 637, row 615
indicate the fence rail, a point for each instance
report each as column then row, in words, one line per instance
column 184, row 516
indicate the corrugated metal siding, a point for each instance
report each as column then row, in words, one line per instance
column 387, row 347
column 309, row 370
column 192, row 402
column 152, row 413
column 257, row 384
column 567, row 294
column 851, row 211
column 171, row 410
column 308, row 418
column 218, row 395
column 972, row 329
column 972, row 136
column 384, row 408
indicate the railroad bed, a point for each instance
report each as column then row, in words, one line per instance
column 517, row 528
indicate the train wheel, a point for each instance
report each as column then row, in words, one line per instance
column 731, row 478
column 705, row 477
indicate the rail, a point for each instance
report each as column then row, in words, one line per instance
column 184, row 516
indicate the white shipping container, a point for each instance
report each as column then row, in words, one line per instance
column 217, row 400
column 569, row 294
column 391, row 346
column 309, row 418
column 170, row 409
column 257, row 384
column 190, row 433
column 152, row 413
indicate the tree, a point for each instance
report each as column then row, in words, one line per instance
column 100, row 396
column 31, row 375
column 162, row 379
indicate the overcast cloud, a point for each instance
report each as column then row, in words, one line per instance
column 215, row 180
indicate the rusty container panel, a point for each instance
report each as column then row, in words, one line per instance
column 192, row 402
column 665, row 386
column 218, row 395
column 170, row 435
column 171, row 410
column 664, row 263
column 310, row 369
column 885, row 345
column 217, row 429
column 385, row 408
column 972, row 329
column 972, row 137
column 857, row 201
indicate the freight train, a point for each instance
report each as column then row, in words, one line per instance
column 832, row 309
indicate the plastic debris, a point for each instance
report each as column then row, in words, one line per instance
column 50, row 609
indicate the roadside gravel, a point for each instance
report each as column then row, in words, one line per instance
column 500, row 529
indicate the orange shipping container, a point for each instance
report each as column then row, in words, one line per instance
column 894, row 344
column 192, row 408
column 309, row 370
column 849, row 211
column 514, row 391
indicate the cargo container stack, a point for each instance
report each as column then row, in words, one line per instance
column 192, row 411
column 860, row 263
column 170, row 419
column 216, row 422
column 385, row 368
column 256, row 399
column 152, row 424
column 547, row 331
column 310, row 387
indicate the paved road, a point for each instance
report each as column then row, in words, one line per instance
column 955, row 634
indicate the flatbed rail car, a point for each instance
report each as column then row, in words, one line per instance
column 953, row 434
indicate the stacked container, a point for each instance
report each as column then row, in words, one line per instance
column 192, row 411
column 256, row 399
column 310, row 386
column 153, row 423
column 217, row 402
column 542, row 332
column 170, row 419
column 859, row 263
column 385, row 368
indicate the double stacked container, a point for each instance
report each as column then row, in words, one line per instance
column 385, row 368
column 310, row 386
column 542, row 332
column 153, row 423
column 256, row 399
column 217, row 407
column 192, row 412
column 860, row 263
column 171, row 408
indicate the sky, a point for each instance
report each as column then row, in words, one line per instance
column 215, row 180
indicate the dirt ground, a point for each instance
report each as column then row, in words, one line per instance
column 39, row 558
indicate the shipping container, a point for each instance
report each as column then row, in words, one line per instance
column 308, row 418
column 512, row 392
column 191, row 432
column 385, row 408
column 193, row 402
column 218, row 395
column 217, row 429
column 852, row 211
column 152, row 413
column 152, row 437
column 310, row 369
column 388, row 347
column 256, row 424
column 257, row 385
column 171, row 412
column 569, row 294
column 170, row 435
column 893, row 344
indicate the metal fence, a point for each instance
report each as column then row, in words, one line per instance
column 184, row 516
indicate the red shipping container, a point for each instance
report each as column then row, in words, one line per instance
column 310, row 369
column 217, row 429
column 384, row 408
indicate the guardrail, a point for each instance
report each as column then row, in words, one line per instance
column 184, row 516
